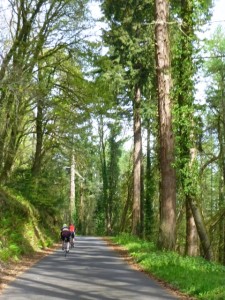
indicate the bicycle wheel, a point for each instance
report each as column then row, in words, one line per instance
column 66, row 247
column 71, row 243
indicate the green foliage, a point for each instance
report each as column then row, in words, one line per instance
column 186, row 274
column 23, row 230
column 130, row 38
column 48, row 192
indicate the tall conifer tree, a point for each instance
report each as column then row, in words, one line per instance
column 167, row 232
column 128, row 37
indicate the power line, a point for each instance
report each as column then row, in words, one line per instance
column 217, row 21
column 207, row 57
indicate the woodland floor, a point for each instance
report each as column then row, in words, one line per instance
column 9, row 271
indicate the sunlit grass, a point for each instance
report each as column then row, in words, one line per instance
column 193, row 276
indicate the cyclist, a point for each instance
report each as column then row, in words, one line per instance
column 72, row 230
column 65, row 237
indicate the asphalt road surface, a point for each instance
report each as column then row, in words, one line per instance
column 91, row 271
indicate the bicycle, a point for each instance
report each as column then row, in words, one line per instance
column 72, row 242
column 66, row 246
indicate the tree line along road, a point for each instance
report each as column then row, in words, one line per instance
column 91, row 271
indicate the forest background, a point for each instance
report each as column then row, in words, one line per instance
column 68, row 103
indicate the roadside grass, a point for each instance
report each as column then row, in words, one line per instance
column 195, row 277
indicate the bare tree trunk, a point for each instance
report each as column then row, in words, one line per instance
column 197, row 214
column 72, row 189
column 222, row 167
column 136, row 215
column 223, row 222
column 128, row 204
column 10, row 156
column 5, row 125
column 167, row 232
column 39, row 140
column 39, row 127
column 191, row 233
column 148, row 221
column 81, row 209
column 202, row 232
column 127, row 207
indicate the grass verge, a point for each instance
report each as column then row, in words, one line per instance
column 193, row 276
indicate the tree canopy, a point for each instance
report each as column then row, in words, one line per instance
column 69, row 104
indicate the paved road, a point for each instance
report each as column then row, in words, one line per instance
column 91, row 271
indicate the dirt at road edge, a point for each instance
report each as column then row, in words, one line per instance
column 10, row 270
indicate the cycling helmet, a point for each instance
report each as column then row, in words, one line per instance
column 64, row 225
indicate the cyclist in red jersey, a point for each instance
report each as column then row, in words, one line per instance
column 72, row 229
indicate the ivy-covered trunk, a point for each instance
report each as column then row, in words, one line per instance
column 185, row 130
